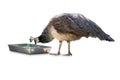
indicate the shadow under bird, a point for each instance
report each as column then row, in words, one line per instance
column 69, row 27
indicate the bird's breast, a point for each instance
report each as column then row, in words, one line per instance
column 63, row 36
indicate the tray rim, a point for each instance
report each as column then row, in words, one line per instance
column 29, row 43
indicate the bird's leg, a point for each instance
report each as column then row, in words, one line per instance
column 69, row 53
column 60, row 43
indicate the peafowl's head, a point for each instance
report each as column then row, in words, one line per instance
column 45, row 37
column 42, row 38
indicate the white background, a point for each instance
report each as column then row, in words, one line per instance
column 92, row 59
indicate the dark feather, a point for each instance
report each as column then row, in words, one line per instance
column 79, row 25
column 64, row 24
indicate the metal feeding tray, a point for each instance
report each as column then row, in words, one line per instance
column 29, row 48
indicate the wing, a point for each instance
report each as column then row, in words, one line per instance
column 90, row 27
column 84, row 24
column 79, row 25
column 65, row 24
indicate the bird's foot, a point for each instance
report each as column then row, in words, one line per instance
column 69, row 54
column 58, row 53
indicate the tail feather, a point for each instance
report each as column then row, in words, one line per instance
column 109, row 39
column 96, row 31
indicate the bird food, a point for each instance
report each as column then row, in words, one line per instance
column 29, row 48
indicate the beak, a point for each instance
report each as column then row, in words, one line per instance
column 36, row 40
column 31, row 39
